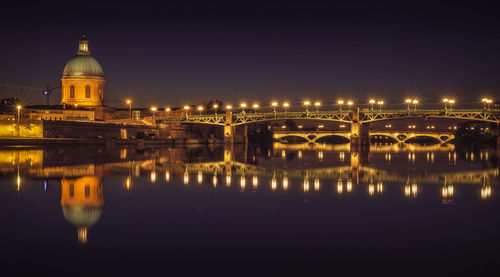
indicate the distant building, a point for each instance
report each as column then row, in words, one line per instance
column 83, row 79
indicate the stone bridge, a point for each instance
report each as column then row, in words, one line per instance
column 401, row 136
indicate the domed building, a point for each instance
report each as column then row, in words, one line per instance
column 83, row 79
column 82, row 201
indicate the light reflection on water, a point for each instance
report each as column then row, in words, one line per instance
column 385, row 173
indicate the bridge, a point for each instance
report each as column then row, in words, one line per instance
column 359, row 120
column 400, row 137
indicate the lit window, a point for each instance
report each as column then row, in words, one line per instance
column 87, row 91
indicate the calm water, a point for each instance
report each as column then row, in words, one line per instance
column 282, row 210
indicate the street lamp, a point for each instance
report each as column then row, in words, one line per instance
column 350, row 103
column 340, row 102
column 229, row 107
column 486, row 102
column 186, row 108
column 451, row 102
column 243, row 106
column 317, row 104
column 129, row 102
column 408, row 102
column 154, row 109
column 446, row 101
column 415, row 102
column 168, row 109
column 215, row 106
column 307, row 103
column 255, row 106
column 200, row 108
column 18, row 119
column 380, row 103
column 372, row 101
column 286, row 105
column 274, row 104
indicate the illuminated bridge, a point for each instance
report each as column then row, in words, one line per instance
column 402, row 137
column 359, row 120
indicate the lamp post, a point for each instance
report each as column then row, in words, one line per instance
column 18, row 119
column 415, row 102
column 307, row 103
column 372, row 101
column 452, row 101
column 186, row 108
column 255, row 107
column 340, row 102
column 243, row 106
column 154, row 109
column 215, row 106
column 486, row 103
column 200, row 109
column 446, row 101
column 350, row 103
column 408, row 102
column 317, row 104
column 380, row 103
column 129, row 103
column 286, row 105
column 274, row 105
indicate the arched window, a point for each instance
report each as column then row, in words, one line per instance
column 72, row 91
column 100, row 93
column 87, row 91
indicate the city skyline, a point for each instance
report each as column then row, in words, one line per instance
column 256, row 52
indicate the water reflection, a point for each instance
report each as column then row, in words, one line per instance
column 441, row 171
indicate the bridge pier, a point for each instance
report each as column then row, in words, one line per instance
column 360, row 133
column 229, row 129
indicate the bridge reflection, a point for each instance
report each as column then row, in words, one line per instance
column 305, row 168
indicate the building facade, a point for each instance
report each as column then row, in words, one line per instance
column 83, row 79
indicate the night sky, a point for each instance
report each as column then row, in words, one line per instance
column 194, row 51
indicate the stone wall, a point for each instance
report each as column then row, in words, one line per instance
column 72, row 129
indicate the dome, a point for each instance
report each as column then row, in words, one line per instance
column 82, row 216
column 83, row 65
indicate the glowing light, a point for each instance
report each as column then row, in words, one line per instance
column 128, row 182
column 316, row 184
column 372, row 101
column 317, row 104
column 153, row 176
column 200, row 177
column 350, row 103
column 214, row 180
column 129, row 101
column 447, row 191
column 242, row 182
column 255, row 106
column 371, row 189
column 167, row 176
column 200, row 108
column 273, row 183
column 414, row 190
column 407, row 190
column 243, row 105
column 186, row 108
column 154, row 109
column 229, row 107
column 340, row 102
column 215, row 106
column 274, row 104
column 285, row 182
column 485, row 192
column 186, row 178
column 168, row 109
column 255, row 182
column 340, row 186
column 286, row 105
column 380, row 187
column 349, row 185
column 306, row 185
column 307, row 103
column 228, row 180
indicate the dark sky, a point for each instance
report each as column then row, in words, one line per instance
column 191, row 51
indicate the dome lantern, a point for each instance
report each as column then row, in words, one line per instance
column 83, row 46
